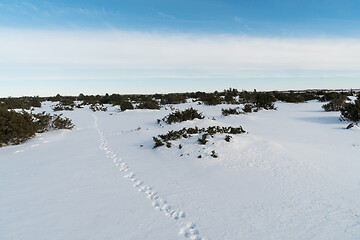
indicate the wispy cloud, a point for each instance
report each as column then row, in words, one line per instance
column 238, row 19
column 242, row 22
column 70, row 55
column 30, row 6
column 165, row 15
column 20, row 6
column 47, row 8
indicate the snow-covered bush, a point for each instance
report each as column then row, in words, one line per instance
column 351, row 111
column 98, row 107
column 60, row 107
column 188, row 132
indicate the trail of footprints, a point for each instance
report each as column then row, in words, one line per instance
column 188, row 230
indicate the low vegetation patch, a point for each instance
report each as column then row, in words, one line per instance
column 21, row 103
column 149, row 104
column 162, row 139
column 98, row 107
column 181, row 116
column 203, row 140
column 351, row 111
column 334, row 105
column 248, row 108
column 230, row 111
column 330, row 96
column 18, row 127
column 60, row 107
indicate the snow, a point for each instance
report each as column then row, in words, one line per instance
column 293, row 176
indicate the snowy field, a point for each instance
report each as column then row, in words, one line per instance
column 295, row 175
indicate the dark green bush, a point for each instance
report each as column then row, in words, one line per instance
column 188, row 132
column 247, row 108
column 60, row 107
column 21, row 103
column 149, row 104
column 264, row 100
column 227, row 138
column 172, row 98
column 18, row 127
column 203, row 140
column 334, row 105
column 214, row 154
column 209, row 98
column 295, row 97
column 158, row 142
column 180, row 116
column 125, row 105
column 230, row 111
column 329, row 96
column 15, row 127
column 351, row 111
column 98, row 107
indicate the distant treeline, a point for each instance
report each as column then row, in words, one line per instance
column 252, row 99
column 154, row 101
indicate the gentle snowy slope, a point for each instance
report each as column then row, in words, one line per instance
column 295, row 175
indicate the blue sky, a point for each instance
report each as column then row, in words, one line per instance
column 253, row 17
column 68, row 47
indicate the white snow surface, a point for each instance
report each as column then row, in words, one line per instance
column 295, row 175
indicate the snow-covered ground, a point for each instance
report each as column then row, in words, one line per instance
column 295, row 175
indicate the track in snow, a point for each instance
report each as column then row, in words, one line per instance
column 187, row 229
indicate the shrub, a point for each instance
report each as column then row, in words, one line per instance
column 329, row 96
column 230, row 111
column 351, row 111
column 334, row 105
column 214, row 154
column 21, row 103
column 209, row 98
column 172, row 98
column 203, row 140
column 296, row 97
column 247, row 108
column 147, row 103
column 124, row 105
column 180, row 116
column 264, row 100
column 98, row 107
column 60, row 107
column 227, row 138
column 15, row 127
column 18, row 127
column 58, row 122
column 187, row 132
column 158, row 142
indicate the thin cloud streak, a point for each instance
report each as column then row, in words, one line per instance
column 30, row 54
